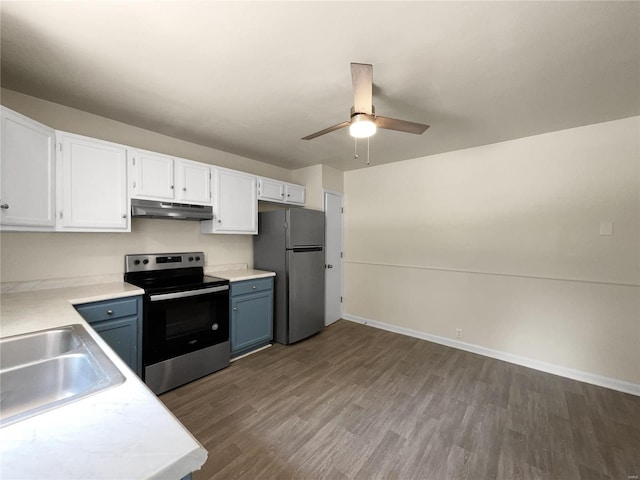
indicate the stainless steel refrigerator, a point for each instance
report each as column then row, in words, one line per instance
column 290, row 242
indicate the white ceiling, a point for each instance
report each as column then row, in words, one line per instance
column 252, row 78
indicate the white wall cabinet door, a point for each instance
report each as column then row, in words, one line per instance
column 193, row 180
column 153, row 175
column 92, row 185
column 235, row 203
column 270, row 190
column 294, row 193
column 27, row 187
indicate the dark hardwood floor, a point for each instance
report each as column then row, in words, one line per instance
column 358, row 402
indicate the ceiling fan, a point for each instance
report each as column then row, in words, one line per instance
column 364, row 121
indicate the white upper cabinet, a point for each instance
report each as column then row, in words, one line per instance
column 235, row 203
column 59, row 181
column 152, row 175
column 270, row 190
column 27, row 174
column 92, row 185
column 294, row 193
column 161, row 177
column 193, row 180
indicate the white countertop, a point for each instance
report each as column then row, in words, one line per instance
column 122, row 432
column 240, row 274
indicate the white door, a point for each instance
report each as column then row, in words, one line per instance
column 153, row 175
column 194, row 181
column 333, row 256
column 93, row 185
column 27, row 172
column 294, row 193
column 270, row 190
column 236, row 204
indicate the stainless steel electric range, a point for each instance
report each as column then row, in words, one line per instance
column 185, row 331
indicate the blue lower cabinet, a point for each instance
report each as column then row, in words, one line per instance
column 251, row 315
column 119, row 323
column 121, row 335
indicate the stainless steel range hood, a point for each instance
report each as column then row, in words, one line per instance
column 170, row 210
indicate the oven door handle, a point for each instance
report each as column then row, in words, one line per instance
column 187, row 293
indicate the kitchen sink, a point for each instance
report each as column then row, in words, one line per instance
column 44, row 370
column 31, row 347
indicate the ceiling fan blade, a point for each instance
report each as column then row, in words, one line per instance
column 400, row 125
column 326, row 130
column 362, row 77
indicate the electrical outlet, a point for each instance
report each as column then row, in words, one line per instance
column 606, row 229
column 458, row 333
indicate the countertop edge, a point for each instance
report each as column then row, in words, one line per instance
column 241, row 274
column 134, row 292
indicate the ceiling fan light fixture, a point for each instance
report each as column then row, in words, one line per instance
column 363, row 121
column 362, row 126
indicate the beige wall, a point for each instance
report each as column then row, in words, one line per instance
column 503, row 242
column 312, row 178
column 332, row 179
column 316, row 179
column 40, row 256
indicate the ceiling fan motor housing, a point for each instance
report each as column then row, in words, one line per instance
column 371, row 117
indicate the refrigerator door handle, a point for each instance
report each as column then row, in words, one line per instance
column 307, row 249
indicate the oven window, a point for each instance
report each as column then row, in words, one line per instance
column 186, row 319
column 178, row 326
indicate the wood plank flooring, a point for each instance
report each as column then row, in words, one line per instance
column 355, row 402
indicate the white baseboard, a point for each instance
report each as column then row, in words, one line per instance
column 607, row 382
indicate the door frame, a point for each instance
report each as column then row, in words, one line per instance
column 324, row 207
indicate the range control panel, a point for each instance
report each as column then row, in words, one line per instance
column 162, row 261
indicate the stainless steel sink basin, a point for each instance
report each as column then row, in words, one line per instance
column 31, row 347
column 47, row 369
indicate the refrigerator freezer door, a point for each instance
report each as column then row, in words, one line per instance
column 306, row 293
column 304, row 227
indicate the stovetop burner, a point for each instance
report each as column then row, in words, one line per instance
column 190, row 282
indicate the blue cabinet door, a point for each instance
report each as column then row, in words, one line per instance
column 121, row 335
column 119, row 323
column 251, row 323
column 251, row 315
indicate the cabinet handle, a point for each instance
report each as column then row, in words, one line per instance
column 235, row 309
column 109, row 312
column 184, row 189
column 329, row 266
column 171, row 187
column 254, row 287
column 4, row 206
column 124, row 215
column 288, row 194
column 219, row 221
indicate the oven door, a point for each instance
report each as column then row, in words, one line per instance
column 185, row 321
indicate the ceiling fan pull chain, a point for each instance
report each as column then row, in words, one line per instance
column 355, row 148
column 368, row 163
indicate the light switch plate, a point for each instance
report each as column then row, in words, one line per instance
column 606, row 229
